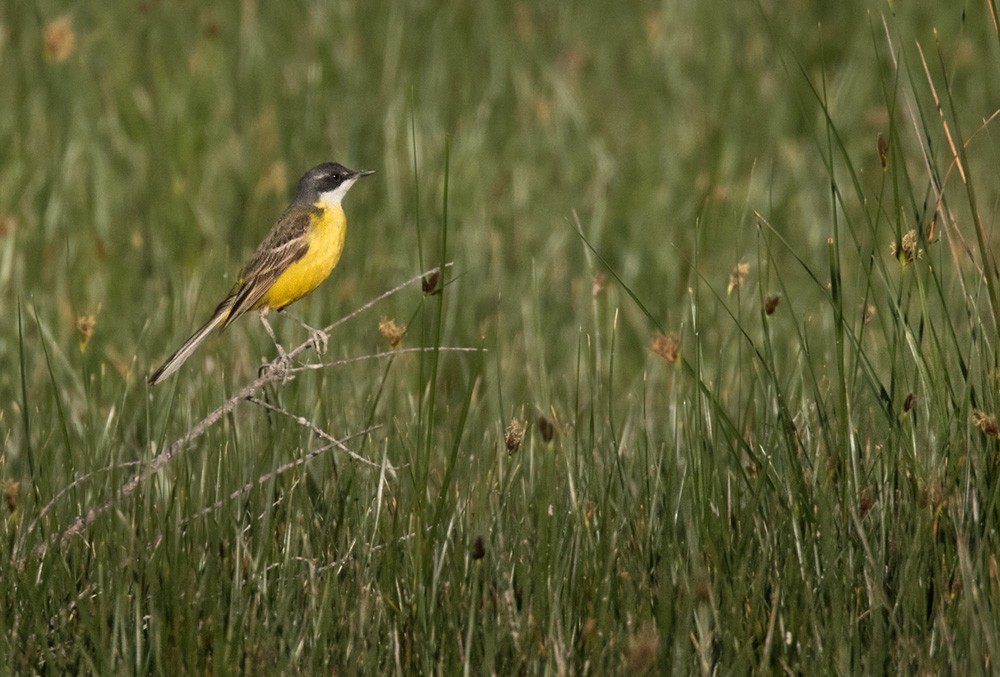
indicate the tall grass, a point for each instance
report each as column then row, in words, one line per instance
column 726, row 279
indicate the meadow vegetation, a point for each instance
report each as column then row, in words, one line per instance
column 709, row 385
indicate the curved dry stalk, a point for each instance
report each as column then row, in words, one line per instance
column 280, row 470
column 59, row 495
column 274, row 371
column 380, row 355
column 334, row 442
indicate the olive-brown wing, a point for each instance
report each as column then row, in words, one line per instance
column 284, row 245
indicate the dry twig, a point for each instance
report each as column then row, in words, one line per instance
column 274, row 371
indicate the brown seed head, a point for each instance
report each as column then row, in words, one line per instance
column 85, row 326
column 10, row 495
column 7, row 225
column 524, row 23
column 212, row 29
column 513, row 435
column 987, row 423
column 598, row 284
column 883, row 151
column 547, row 428
column 543, row 110
column 667, row 346
column 737, row 276
column 275, row 180
column 392, row 332
column 59, row 39
column 866, row 502
column 907, row 249
column 702, row 589
column 478, row 549
column 643, row 650
column 771, row 304
column 430, row 284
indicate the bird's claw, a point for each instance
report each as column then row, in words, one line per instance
column 281, row 367
column 320, row 340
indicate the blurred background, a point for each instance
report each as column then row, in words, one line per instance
column 146, row 147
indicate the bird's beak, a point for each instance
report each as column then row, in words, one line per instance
column 365, row 172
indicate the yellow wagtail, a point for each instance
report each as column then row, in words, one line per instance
column 298, row 253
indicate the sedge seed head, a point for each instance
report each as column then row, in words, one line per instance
column 883, row 151
column 85, row 327
column 513, row 435
column 546, row 428
column 866, row 502
column 10, row 495
column 8, row 224
column 643, row 650
column 478, row 549
column 987, row 423
column 667, row 346
column 906, row 250
column 429, row 283
column 771, row 304
column 392, row 332
column 598, row 284
column 737, row 276
column 59, row 39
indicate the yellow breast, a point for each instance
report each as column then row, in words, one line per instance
column 326, row 242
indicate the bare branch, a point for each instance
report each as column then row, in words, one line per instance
column 306, row 423
column 62, row 492
column 276, row 370
column 384, row 353
column 281, row 469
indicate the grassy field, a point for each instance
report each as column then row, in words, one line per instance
column 710, row 385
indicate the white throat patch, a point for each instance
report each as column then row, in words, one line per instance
column 332, row 198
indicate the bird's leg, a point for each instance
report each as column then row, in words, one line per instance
column 283, row 362
column 319, row 338
column 270, row 332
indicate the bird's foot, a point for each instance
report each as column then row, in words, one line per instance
column 280, row 367
column 320, row 339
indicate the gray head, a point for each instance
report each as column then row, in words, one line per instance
column 327, row 183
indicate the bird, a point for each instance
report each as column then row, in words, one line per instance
column 297, row 254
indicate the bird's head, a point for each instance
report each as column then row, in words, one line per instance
column 328, row 183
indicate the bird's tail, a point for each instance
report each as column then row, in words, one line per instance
column 177, row 359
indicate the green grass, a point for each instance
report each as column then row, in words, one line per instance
column 814, row 490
